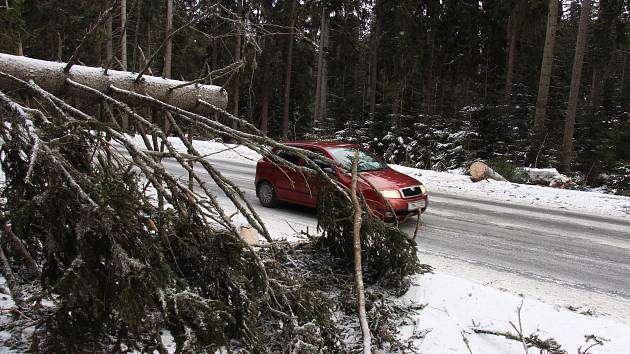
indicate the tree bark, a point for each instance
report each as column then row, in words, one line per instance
column 109, row 46
column 20, row 50
column 19, row 247
column 59, row 47
column 215, row 63
column 322, row 72
column 264, row 112
column 546, row 66
column 123, row 33
column 576, row 77
column 236, row 93
column 358, row 272
column 623, row 76
column 287, row 81
column 318, row 84
column 427, row 82
column 395, row 120
column 136, row 33
column 323, row 97
column 511, row 57
column 168, row 48
column 50, row 76
column 376, row 42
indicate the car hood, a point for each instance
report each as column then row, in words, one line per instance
column 388, row 178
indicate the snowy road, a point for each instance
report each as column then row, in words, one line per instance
column 557, row 256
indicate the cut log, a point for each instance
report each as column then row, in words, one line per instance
column 248, row 234
column 480, row 171
column 50, row 76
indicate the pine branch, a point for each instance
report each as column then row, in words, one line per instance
column 157, row 51
column 75, row 55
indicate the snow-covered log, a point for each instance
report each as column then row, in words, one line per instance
column 547, row 176
column 51, row 77
column 480, row 171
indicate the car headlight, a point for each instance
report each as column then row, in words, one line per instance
column 423, row 189
column 391, row 194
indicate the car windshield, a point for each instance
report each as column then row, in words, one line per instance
column 367, row 162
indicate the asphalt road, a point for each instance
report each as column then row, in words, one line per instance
column 582, row 252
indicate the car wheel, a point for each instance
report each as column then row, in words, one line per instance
column 266, row 194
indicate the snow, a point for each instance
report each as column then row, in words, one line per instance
column 456, row 306
column 522, row 194
column 212, row 150
column 545, row 175
column 6, row 303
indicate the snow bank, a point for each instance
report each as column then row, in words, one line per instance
column 212, row 150
column 523, row 194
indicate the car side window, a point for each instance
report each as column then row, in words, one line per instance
column 292, row 158
column 320, row 162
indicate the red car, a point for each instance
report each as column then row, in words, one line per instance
column 276, row 183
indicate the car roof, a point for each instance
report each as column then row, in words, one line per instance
column 319, row 144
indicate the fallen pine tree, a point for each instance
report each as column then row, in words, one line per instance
column 52, row 76
column 123, row 249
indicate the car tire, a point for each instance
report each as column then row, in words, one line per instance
column 266, row 194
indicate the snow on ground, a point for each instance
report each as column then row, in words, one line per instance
column 6, row 303
column 209, row 149
column 540, row 196
column 456, row 306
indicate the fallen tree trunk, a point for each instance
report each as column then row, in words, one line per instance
column 480, row 171
column 51, row 77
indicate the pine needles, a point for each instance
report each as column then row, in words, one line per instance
column 389, row 254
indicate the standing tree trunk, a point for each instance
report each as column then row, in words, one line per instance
column 109, row 46
column 376, row 42
column 287, row 81
column 545, row 70
column 318, row 85
column 596, row 87
column 235, row 92
column 264, row 112
column 215, row 64
column 576, row 77
column 396, row 100
column 321, row 89
column 136, row 33
column 19, row 50
column 123, row 34
column 168, row 48
column 428, row 77
column 623, row 75
column 358, row 272
column 511, row 57
column 59, row 47
column 323, row 97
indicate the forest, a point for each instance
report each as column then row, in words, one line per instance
column 106, row 248
column 431, row 84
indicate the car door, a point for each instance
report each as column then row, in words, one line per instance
column 291, row 184
column 315, row 183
